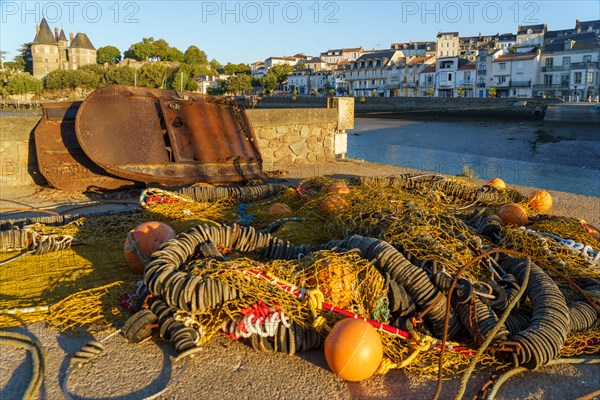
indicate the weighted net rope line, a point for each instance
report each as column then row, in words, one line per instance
column 38, row 359
column 43, row 244
column 492, row 334
column 453, row 285
column 93, row 350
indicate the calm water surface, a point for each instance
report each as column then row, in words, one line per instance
column 523, row 153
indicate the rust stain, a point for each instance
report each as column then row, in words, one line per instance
column 168, row 137
column 61, row 160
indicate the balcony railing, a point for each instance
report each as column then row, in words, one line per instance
column 427, row 84
column 466, row 83
column 584, row 65
column 564, row 85
column 408, row 84
column 481, row 72
column 481, row 84
column 520, row 83
column 550, row 68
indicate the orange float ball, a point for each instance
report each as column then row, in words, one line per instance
column 339, row 188
column 148, row 237
column 353, row 349
column 279, row 210
column 497, row 183
column 540, row 201
column 334, row 203
column 512, row 214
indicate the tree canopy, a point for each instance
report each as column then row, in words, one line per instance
column 194, row 56
column 238, row 84
column 108, row 55
column 232, row 69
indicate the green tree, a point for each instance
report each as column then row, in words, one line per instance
column 243, row 69
column 120, row 76
column 269, row 82
column 159, row 50
column 63, row 79
column 108, row 55
column 174, row 54
column 89, row 76
column 23, row 82
column 192, row 85
column 215, row 65
column 180, row 77
column 140, row 51
column 281, row 72
column 194, row 56
column 238, row 84
column 25, row 58
column 230, row 69
column 154, row 75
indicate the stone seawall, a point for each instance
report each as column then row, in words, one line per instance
column 292, row 137
column 427, row 107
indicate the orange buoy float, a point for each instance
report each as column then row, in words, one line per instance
column 339, row 188
column 337, row 283
column 279, row 210
column 353, row 349
column 497, row 183
column 540, row 201
column 147, row 237
column 334, row 203
column 513, row 214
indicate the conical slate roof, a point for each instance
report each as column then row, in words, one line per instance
column 45, row 35
column 62, row 36
column 81, row 41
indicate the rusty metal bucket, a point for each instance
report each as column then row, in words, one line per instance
column 168, row 137
column 60, row 158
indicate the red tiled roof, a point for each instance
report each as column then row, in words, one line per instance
column 431, row 68
column 466, row 67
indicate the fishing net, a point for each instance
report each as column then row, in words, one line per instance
column 440, row 226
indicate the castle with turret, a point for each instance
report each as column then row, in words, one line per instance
column 53, row 51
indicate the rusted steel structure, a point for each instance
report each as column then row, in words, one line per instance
column 168, row 137
column 60, row 158
column 121, row 135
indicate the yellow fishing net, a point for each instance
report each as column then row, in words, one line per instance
column 428, row 218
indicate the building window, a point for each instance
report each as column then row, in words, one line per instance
column 578, row 76
column 587, row 58
column 46, row 49
column 502, row 79
column 450, row 77
column 547, row 80
column 590, row 77
column 502, row 66
column 549, row 62
column 566, row 62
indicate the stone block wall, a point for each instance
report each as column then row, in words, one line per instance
column 294, row 137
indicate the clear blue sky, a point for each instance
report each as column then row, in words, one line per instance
column 246, row 31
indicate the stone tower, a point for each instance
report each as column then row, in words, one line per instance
column 52, row 51
column 44, row 51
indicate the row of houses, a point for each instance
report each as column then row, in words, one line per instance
column 533, row 62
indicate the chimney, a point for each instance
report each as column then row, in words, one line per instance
column 70, row 37
column 56, row 33
column 37, row 28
